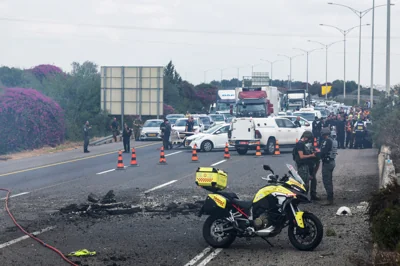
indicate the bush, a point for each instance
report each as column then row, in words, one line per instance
column 384, row 216
column 29, row 120
column 168, row 109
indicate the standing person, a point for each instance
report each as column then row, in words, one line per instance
column 115, row 128
column 126, row 137
column 328, row 156
column 303, row 156
column 340, row 131
column 137, row 124
column 187, row 114
column 359, row 129
column 316, row 126
column 349, row 132
column 86, row 130
column 166, row 134
column 190, row 124
column 297, row 122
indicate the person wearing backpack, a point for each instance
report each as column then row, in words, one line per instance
column 304, row 156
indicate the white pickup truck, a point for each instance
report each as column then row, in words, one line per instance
column 246, row 133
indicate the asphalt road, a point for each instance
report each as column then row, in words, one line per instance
column 45, row 184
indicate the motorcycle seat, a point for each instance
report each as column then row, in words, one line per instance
column 229, row 195
column 243, row 204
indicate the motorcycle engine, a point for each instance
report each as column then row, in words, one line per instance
column 261, row 221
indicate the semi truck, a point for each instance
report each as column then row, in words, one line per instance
column 226, row 100
column 295, row 99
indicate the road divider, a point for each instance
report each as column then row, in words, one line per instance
column 160, row 186
column 16, row 195
column 9, row 243
column 199, row 257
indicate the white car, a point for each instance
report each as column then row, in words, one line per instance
column 180, row 125
column 215, row 137
column 309, row 116
column 218, row 118
column 303, row 122
column 151, row 130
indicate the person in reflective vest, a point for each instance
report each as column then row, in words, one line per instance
column 359, row 129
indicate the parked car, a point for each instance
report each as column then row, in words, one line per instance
column 309, row 116
column 215, row 137
column 218, row 118
column 205, row 120
column 151, row 130
column 180, row 125
column 303, row 122
column 177, row 116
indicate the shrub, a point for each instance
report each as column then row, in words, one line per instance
column 29, row 120
column 384, row 216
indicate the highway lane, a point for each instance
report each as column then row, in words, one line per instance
column 168, row 239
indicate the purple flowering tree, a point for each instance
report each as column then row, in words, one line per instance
column 44, row 71
column 29, row 120
column 168, row 109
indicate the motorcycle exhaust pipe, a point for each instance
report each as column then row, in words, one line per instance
column 265, row 232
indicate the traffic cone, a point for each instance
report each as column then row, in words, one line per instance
column 120, row 164
column 277, row 151
column 226, row 153
column 315, row 142
column 195, row 159
column 133, row 158
column 258, row 151
column 162, row 157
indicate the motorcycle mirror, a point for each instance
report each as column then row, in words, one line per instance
column 267, row 168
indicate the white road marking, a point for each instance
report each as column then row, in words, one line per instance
column 217, row 163
column 16, row 195
column 160, row 186
column 198, row 257
column 107, row 171
column 210, row 257
column 9, row 243
column 169, row 154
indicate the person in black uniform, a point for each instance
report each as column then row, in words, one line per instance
column 316, row 127
column 340, row 131
column 328, row 156
column 359, row 129
column 297, row 122
column 126, row 137
column 166, row 134
column 190, row 124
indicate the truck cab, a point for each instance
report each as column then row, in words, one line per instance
column 253, row 102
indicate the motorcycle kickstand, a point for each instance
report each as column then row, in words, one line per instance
column 267, row 241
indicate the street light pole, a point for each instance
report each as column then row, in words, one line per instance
column 388, row 49
column 344, row 32
column 272, row 64
column 372, row 55
column 290, row 70
column 307, row 54
column 326, row 60
column 360, row 14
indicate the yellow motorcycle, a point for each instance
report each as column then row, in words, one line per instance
column 274, row 207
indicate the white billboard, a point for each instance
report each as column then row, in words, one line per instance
column 130, row 90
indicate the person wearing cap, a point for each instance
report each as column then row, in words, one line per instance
column 166, row 133
column 328, row 156
column 304, row 157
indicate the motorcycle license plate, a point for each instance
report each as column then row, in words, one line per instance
column 243, row 142
column 152, row 135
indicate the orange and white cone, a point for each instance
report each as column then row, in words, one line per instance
column 226, row 152
column 162, row 161
column 133, row 158
column 195, row 159
column 120, row 163
column 277, row 151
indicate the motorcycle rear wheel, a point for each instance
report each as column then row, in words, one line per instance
column 216, row 239
column 311, row 223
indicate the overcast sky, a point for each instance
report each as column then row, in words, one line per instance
column 198, row 36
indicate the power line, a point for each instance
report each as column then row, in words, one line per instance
column 215, row 32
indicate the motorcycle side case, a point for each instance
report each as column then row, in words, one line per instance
column 214, row 203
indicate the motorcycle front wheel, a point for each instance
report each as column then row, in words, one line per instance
column 309, row 237
column 213, row 234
